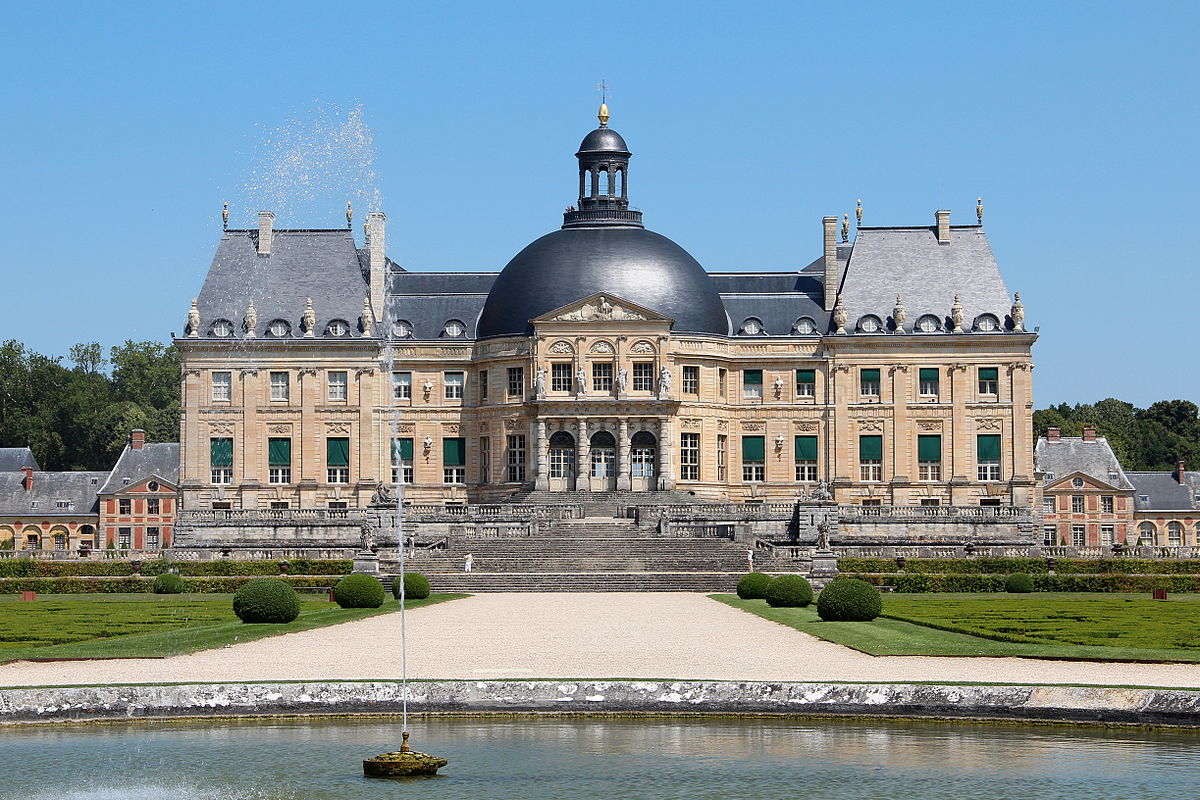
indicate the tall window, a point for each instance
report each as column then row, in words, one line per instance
column 1076, row 503
column 454, row 460
column 562, row 455
column 402, row 460
column 485, row 459
column 870, row 458
column 402, row 385
column 220, row 459
column 722, row 381
column 516, row 382
column 868, row 382
column 1106, row 503
column 125, row 506
column 516, row 458
column 280, row 388
column 691, row 380
column 1174, row 534
column 603, row 452
column 152, row 538
column 989, row 382
column 987, row 452
column 642, row 452
column 337, row 385
column 602, row 377
column 453, row 382
column 643, row 376
column 1048, row 505
column 483, row 385
column 1146, row 533
column 124, row 538
column 752, row 383
column 806, row 458
column 722, row 455
column 806, row 383
column 222, row 386
column 560, row 376
column 929, row 458
column 1078, row 536
column 754, row 456
column 1049, row 535
column 279, row 460
column 153, row 506
column 337, row 459
column 1106, row 535
column 930, row 382
column 689, row 455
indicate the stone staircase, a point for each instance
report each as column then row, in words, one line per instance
column 594, row 554
column 602, row 504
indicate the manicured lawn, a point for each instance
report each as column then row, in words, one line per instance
column 149, row 625
column 1088, row 618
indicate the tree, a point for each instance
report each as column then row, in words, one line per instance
column 87, row 357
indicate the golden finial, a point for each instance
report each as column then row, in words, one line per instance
column 845, row 227
column 603, row 114
column 979, row 209
column 224, row 216
column 349, row 215
column 858, row 213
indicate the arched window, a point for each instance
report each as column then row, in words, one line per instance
column 337, row 327
column 928, row 324
column 619, row 183
column 752, row 326
column 870, row 324
column 643, row 448
column 278, row 328
column 987, row 323
column 402, row 329
column 1146, row 533
column 604, row 181
column 1174, row 534
column 604, row 455
column 562, row 455
column 805, row 326
column 222, row 328
column 587, row 184
column 453, row 329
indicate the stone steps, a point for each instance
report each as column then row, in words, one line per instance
column 584, row 582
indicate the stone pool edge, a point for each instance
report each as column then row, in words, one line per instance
column 1139, row 706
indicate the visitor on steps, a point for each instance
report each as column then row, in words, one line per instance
column 750, row 558
column 468, row 561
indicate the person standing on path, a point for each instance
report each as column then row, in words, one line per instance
column 468, row 562
column 750, row 558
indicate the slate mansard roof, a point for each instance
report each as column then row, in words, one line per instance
column 15, row 459
column 1163, row 492
column 159, row 460
column 1071, row 454
column 75, row 490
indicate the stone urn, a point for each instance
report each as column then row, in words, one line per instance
column 284, row 567
column 136, row 566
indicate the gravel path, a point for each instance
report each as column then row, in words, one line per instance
column 577, row 635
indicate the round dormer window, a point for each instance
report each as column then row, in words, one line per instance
column 402, row 328
column 338, row 328
column 454, row 329
column 222, row 328
column 752, row 326
column 1077, row 483
column 152, row 486
column 928, row 324
column 870, row 324
column 987, row 323
column 805, row 326
column 279, row 327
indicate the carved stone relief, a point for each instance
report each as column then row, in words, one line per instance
column 870, row 425
column 602, row 347
column 561, row 347
column 642, row 347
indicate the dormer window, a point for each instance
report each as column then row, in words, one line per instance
column 987, row 323
column 454, row 329
column 1077, row 483
column 338, row 327
column 870, row 324
column 279, row 328
column 222, row 329
column 752, row 327
column 402, row 329
column 805, row 326
column 928, row 324
column 1049, row 477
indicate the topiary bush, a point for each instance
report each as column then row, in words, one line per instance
column 753, row 586
column 849, row 600
column 266, row 600
column 1018, row 583
column 359, row 591
column 416, row 586
column 169, row 583
column 789, row 591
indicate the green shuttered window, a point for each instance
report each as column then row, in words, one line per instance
column 806, row 376
column 337, row 452
column 989, row 373
column 454, row 452
column 221, row 452
column 870, row 376
column 870, row 448
column 806, row 448
column 752, row 376
column 929, row 375
column 402, row 450
column 929, row 448
column 754, row 448
column 279, row 452
column 987, row 447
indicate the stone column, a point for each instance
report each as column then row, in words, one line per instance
column 904, row 459
column 583, row 450
column 623, row 480
column 842, row 456
column 666, row 456
column 962, row 436
column 542, row 482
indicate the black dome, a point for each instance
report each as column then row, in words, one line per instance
column 603, row 139
column 634, row 264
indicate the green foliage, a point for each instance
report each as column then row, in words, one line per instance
column 1018, row 583
column 416, row 586
column 788, row 591
column 132, row 585
column 753, row 586
column 849, row 600
column 359, row 591
column 29, row 568
column 168, row 583
column 266, row 600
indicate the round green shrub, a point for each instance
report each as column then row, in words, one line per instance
column 789, row 591
column 753, row 586
column 849, row 600
column 359, row 591
column 266, row 600
column 416, row 586
column 1018, row 583
column 169, row 583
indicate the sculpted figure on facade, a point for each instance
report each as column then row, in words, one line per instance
column 539, row 382
column 665, row 379
column 581, row 380
column 622, row 379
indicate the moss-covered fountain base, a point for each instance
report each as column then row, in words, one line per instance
column 402, row 763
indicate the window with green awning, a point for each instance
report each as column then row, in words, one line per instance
column 752, row 376
column 806, row 448
column 869, row 375
column 987, row 447
column 279, row 452
column 754, row 448
column 402, row 450
column 989, row 373
column 870, row 448
column 929, row 448
column 454, row 452
column 220, row 452
column 337, row 451
column 806, row 376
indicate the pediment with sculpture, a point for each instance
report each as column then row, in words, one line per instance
column 603, row 308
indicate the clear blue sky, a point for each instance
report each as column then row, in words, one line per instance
column 127, row 125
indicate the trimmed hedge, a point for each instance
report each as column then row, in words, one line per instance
column 30, row 568
column 359, row 591
column 904, row 582
column 753, row 586
column 1031, row 566
column 266, row 600
column 849, row 600
column 132, row 585
column 416, row 586
column 1018, row 583
column 168, row 583
column 789, row 591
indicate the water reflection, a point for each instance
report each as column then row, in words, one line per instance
column 692, row 758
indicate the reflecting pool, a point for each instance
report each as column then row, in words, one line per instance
column 721, row 759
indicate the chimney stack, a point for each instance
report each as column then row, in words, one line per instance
column 833, row 275
column 943, row 226
column 1089, row 433
column 376, row 226
column 1053, row 434
column 266, row 228
column 137, row 438
column 27, row 481
column 1180, row 469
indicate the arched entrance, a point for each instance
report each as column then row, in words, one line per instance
column 87, row 538
column 562, row 461
column 603, row 462
column 643, row 458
